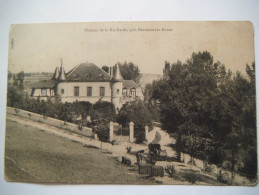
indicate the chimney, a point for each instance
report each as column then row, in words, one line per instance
column 111, row 71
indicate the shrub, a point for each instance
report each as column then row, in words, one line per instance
column 192, row 177
column 137, row 113
column 102, row 130
column 170, row 170
column 140, row 135
column 15, row 97
column 102, row 114
column 103, row 110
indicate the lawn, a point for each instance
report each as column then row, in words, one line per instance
column 35, row 156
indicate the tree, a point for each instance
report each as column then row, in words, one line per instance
column 15, row 97
column 105, row 68
column 20, row 77
column 210, row 111
column 150, row 102
column 102, row 114
column 137, row 113
column 166, row 69
column 102, row 130
column 10, row 75
column 241, row 140
column 186, row 95
column 103, row 111
column 130, row 71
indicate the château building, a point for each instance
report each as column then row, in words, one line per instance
column 88, row 82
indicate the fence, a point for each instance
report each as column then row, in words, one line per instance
column 121, row 134
column 151, row 170
column 86, row 131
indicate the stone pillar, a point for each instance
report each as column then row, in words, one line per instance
column 95, row 136
column 146, row 131
column 131, row 127
column 111, row 132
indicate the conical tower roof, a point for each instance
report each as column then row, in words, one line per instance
column 62, row 75
column 117, row 74
column 56, row 73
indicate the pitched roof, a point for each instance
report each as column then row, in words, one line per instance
column 129, row 84
column 88, row 72
column 44, row 84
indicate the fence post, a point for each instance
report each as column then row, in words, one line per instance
column 131, row 126
column 111, row 132
column 146, row 131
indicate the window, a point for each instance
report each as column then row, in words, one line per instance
column 89, row 91
column 102, row 91
column 76, row 91
column 118, row 91
column 124, row 92
column 133, row 92
column 62, row 91
column 43, row 92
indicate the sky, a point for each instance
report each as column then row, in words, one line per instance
column 39, row 47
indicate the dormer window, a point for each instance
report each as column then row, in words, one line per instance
column 89, row 76
column 133, row 92
column 101, row 76
column 124, row 92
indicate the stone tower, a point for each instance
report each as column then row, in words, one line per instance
column 116, row 86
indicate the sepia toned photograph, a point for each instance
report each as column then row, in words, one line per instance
column 145, row 103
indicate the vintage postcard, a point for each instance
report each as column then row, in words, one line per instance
column 132, row 103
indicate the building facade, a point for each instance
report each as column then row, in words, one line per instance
column 87, row 82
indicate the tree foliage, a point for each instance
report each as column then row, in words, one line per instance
column 105, row 68
column 138, row 113
column 210, row 110
column 130, row 71
column 15, row 97
column 102, row 114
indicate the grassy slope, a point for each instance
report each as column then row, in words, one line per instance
column 35, row 156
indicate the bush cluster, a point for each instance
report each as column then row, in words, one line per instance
column 101, row 113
